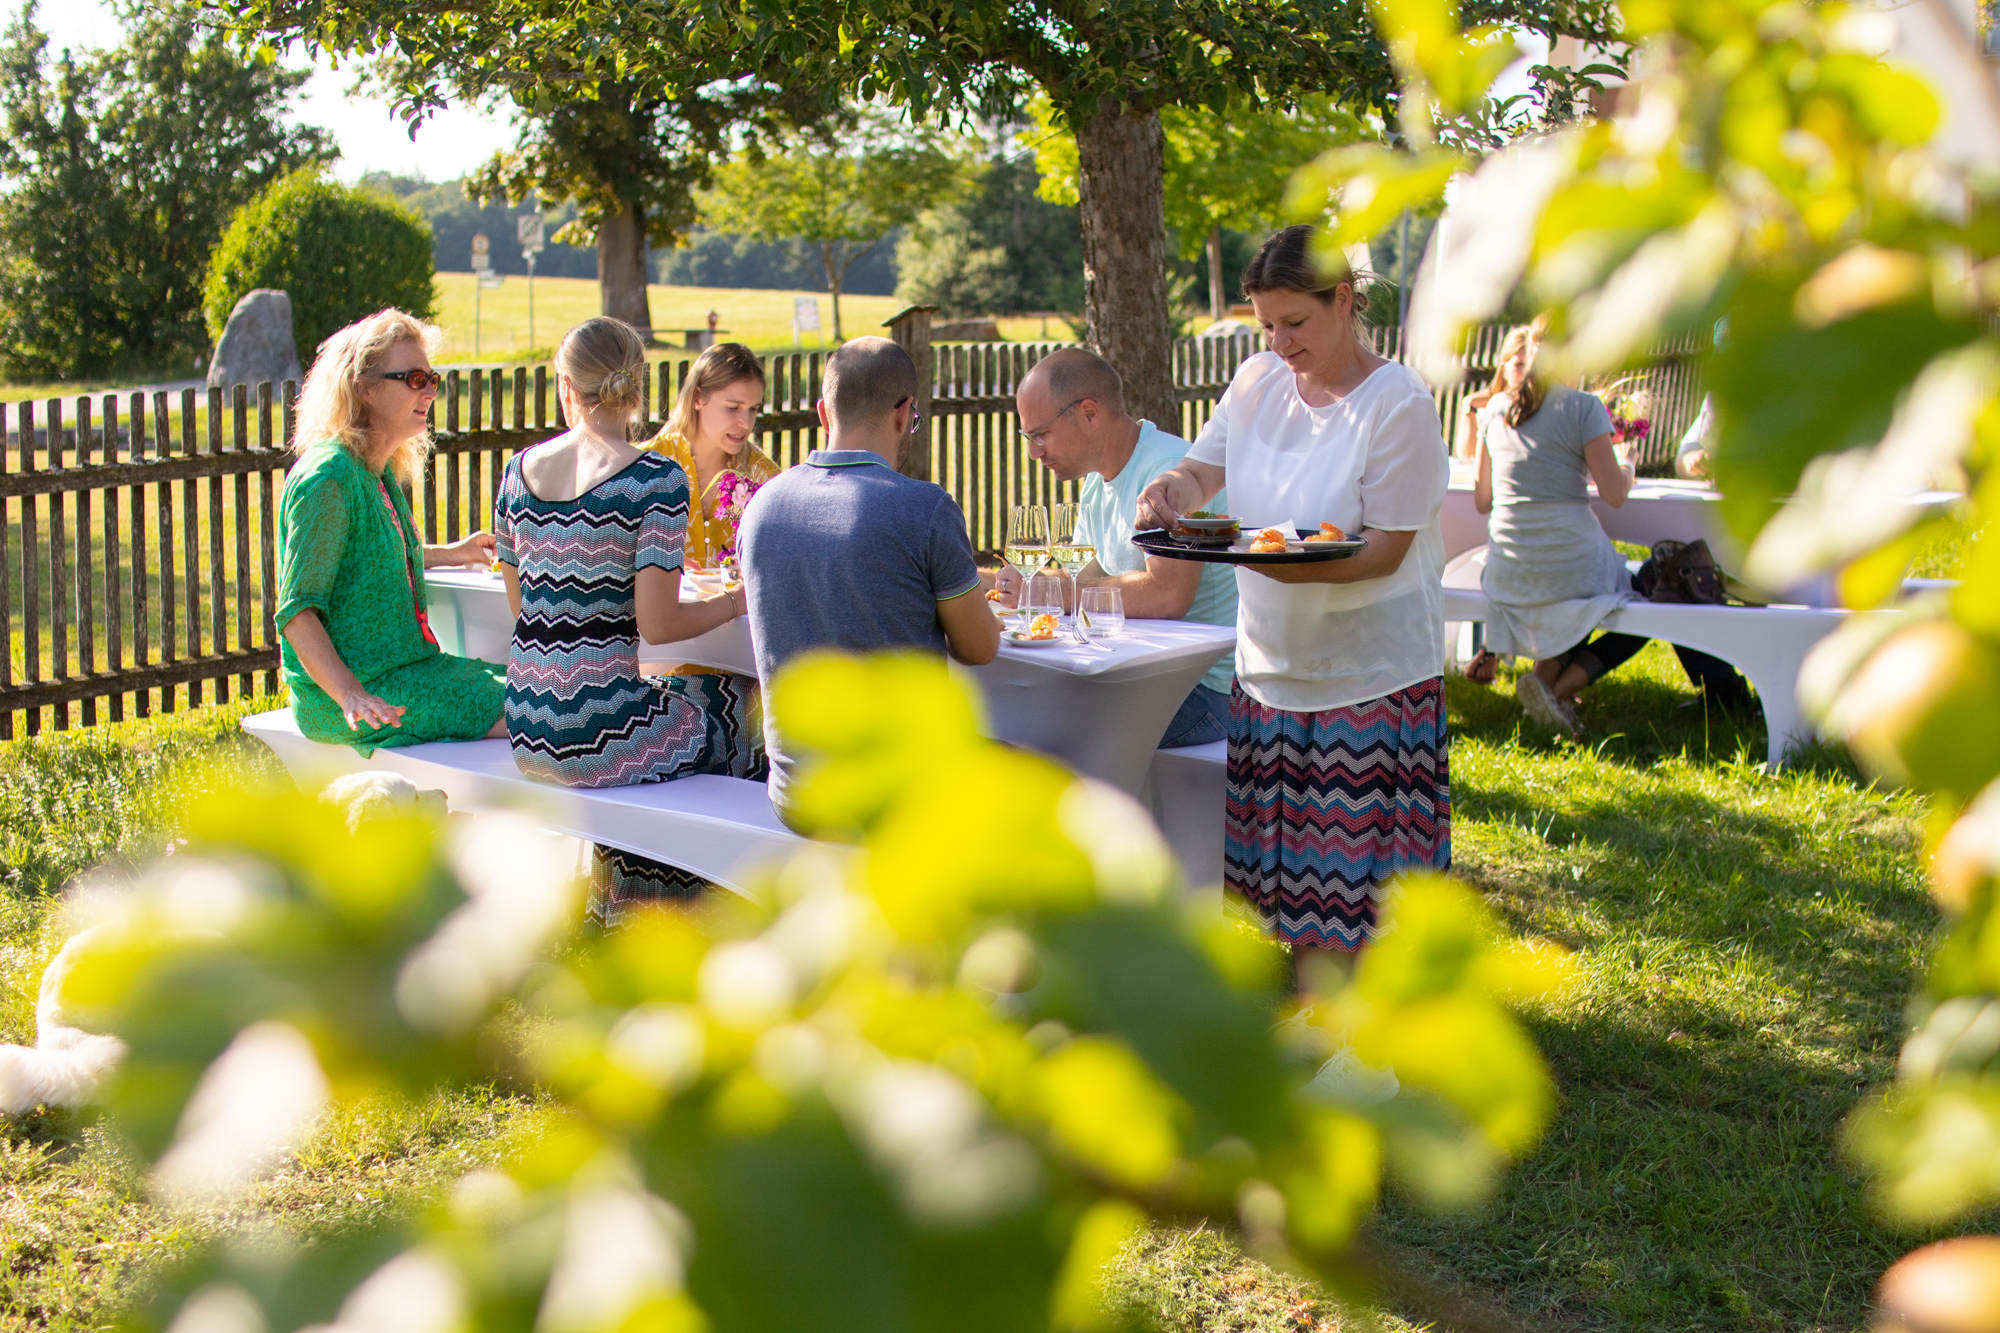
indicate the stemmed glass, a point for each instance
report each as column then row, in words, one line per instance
column 1068, row 548
column 1027, row 539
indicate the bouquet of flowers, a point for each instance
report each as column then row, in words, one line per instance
column 732, row 496
column 1630, row 404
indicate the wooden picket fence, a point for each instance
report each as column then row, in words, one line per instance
column 138, row 539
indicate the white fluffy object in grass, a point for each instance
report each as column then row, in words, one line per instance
column 66, row 1065
column 379, row 795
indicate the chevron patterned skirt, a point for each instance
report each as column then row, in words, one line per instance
column 1324, row 809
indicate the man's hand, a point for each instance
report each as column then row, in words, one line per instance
column 1007, row 581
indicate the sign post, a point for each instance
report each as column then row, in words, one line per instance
column 528, row 227
column 482, row 264
column 805, row 316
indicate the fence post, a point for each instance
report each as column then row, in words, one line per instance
column 911, row 328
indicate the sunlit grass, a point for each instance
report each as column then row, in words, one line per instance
column 1746, row 943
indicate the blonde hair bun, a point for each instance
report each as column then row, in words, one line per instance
column 604, row 359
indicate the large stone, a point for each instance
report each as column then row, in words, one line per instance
column 257, row 344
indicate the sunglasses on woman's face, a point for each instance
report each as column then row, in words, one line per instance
column 418, row 380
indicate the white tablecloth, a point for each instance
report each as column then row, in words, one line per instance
column 470, row 617
column 1656, row 510
column 1099, row 708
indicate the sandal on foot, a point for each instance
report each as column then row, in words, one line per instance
column 1483, row 667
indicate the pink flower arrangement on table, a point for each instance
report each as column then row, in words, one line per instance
column 732, row 496
column 1630, row 405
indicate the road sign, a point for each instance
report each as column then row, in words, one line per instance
column 805, row 314
column 481, row 259
column 480, row 245
column 528, row 227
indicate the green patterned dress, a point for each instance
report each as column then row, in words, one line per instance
column 348, row 549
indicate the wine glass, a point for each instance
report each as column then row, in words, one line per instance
column 1070, row 549
column 1027, row 548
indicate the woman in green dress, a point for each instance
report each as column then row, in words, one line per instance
column 359, row 657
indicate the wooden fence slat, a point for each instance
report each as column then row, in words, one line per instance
column 59, row 605
column 190, row 545
column 114, row 581
column 267, row 533
column 218, row 593
column 240, row 422
column 142, row 700
column 85, row 562
column 163, row 497
column 25, row 418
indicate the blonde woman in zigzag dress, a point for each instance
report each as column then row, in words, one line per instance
column 590, row 531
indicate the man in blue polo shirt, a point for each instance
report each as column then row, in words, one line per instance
column 846, row 552
column 1072, row 410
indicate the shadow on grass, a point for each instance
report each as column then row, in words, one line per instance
column 1747, row 943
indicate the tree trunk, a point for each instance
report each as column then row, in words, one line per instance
column 1218, row 303
column 1121, row 183
column 835, row 270
column 621, row 270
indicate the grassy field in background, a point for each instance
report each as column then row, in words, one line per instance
column 763, row 319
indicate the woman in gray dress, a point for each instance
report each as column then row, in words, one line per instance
column 1551, row 574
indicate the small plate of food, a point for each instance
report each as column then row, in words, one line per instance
column 1279, row 545
column 1040, row 632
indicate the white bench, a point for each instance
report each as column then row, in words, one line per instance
column 1186, row 789
column 1766, row 643
column 719, row 828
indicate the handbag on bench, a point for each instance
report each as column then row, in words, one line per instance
column 1686, row 572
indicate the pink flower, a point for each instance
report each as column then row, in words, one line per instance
column 732, row 496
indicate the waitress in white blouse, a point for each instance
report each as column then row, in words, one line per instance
column 1337, row 752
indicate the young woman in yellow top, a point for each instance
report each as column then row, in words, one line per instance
column 709, row 434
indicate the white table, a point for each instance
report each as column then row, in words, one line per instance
column 470, row 616
column 1656, row 510
column 1099, row 708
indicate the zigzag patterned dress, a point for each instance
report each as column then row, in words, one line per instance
column 578, row 711
column 1339, row 761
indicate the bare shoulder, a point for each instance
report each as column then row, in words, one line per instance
column 549, row 468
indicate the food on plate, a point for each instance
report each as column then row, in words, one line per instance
column 494, row 568
column 1042, row 627
column 1268, row 542
column 1206, row 524
column 1328, row 532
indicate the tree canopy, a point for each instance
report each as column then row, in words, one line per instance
column 340, row 251
column 120, row 169
column 840, row 186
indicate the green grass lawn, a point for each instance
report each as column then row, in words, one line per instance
column 1746, row 945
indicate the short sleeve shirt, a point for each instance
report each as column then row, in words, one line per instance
column 1374, row 459
column 1107, row 513
column 846, row 552
column 1542, row 458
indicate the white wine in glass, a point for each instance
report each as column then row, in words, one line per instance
column 1066, row 546
column 1027, row 538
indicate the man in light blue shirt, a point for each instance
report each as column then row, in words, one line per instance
column 1072, row 410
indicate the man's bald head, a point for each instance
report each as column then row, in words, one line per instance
column 865, row 379
column 1074, row 373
